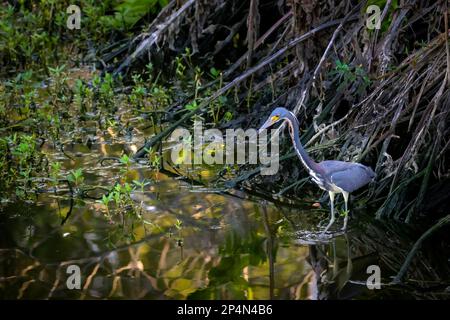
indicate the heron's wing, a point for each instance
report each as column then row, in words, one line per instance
column 351, row 178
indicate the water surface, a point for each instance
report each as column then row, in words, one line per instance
column 190, row 241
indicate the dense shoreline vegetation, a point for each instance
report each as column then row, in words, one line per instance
column 348, row 103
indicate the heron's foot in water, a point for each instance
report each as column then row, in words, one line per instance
column 328, row 226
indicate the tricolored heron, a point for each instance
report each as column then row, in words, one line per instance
column 330, row 175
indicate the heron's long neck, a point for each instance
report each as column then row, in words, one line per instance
column 301, row 152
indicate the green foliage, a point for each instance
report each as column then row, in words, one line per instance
column 381, row 4
column 193, row 79
column 214, row 73
column 348, row 75
column 228, row 116
column 55, row 172
column 125, row 160
column 191, row 106
column 180, row 68
column 154, row 158
column 148, row 94
column 82, row 94
column 58, row 87
column 30, row 36
column 76, row 177
column 20, row 160
column 141, row 184
column 34, row 35
column 178, row 224
column 105, row 87
column 128, row 12
column 46, row 101
column 120, row 197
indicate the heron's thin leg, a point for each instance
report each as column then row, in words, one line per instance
column 345, row 194
column 332, row 211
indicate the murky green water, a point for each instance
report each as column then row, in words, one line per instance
column 189, row 242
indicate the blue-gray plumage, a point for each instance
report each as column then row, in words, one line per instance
column 330, row 175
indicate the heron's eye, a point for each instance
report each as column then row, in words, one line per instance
column 275, row 118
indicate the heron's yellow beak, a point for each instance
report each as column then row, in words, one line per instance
column 269, row 122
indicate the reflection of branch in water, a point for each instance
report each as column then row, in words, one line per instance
column 136, row 269
column 162, row 259
column 333, row 274
column 55, row 284
column 383, row 245
column 68, row 214
column 270, row 251
column 24, row 287
column 311, row 287
column 89, row 279
column 71, row 192
column 115, row 285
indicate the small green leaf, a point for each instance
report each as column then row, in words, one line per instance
column 191, row 106
column 214, row 72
